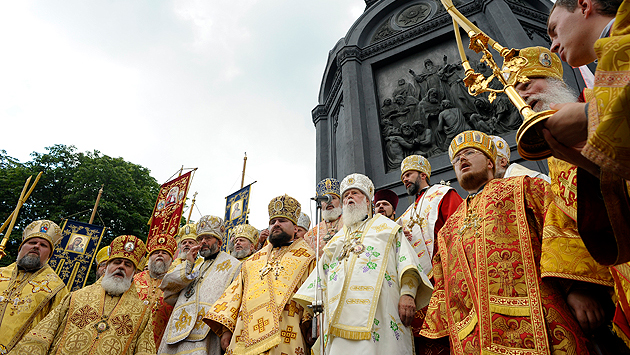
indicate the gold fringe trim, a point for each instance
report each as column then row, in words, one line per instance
column 468, row 328
column 259, row 347
column 621, row 334
column 350, row 334
column 510, row 311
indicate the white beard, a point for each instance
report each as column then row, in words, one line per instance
column 114, row 286
column 557, row 93
column 158, row 268
column 240, row 254
column 332, row 215
column 355, row 213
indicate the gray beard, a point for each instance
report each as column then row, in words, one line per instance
column 209, row 252
column 114, row 287
column 557, row 93
column 30, row 262
column 182, row 255
column 158, row 268
column 353, row 214
column 240, row 254
column 332, row 215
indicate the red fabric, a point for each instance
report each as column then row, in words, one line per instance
column 448, row 205
column 167, row 213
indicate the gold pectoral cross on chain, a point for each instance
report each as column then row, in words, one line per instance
column 276, row 268
column 472, row 220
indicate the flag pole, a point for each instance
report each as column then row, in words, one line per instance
column 244, row 164
column 191, row 207
column 98, row 198
column 13, row 217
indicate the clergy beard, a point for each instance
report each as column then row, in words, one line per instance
column 30, row 262
column 115, row 286
column 473, row 179
column 414, row 188
column 332, row 215
column 355, row 213
column 182, row 255
column 213, row 250
column 239, row 254
column 557, row 92
column 279, row 239
column 157, row 268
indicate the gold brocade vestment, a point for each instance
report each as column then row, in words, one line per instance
column 25, row 299
column 153, row 297
column 88, row 321
column 489, row 296
column 258, row 310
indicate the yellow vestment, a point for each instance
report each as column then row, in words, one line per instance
column 25, row 299
column 88, row 321
column 257, row 307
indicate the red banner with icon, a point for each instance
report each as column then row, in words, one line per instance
column 169, row 206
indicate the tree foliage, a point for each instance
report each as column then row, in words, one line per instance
column 68, row 189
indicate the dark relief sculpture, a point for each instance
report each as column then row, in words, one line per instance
column 423, row 116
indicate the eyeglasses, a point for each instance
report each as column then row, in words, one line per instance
column 465, row 154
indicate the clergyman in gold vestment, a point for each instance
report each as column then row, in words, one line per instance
column 257, row 307
column 29, row 288
column 104, row 318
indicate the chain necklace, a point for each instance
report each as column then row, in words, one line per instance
column 13, row 286
column 415, row 218
column 331, row 230
column 198, row 279
column 274, row 263
column 102, row 325
column 352, row 242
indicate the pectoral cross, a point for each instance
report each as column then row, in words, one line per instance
column 276, row 268
column 472, row 220
column 415, row 220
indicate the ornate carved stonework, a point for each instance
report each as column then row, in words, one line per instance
column 413, row 15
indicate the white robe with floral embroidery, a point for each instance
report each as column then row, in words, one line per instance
column 362, row 290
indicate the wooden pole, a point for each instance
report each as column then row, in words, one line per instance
column 244, row 164
column 98, row 198
column 191, row 207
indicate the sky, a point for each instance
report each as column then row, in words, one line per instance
column 166, row 84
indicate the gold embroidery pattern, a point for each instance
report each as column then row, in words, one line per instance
column 40, row 286
column 288, row 334
column 224, row 266
column 123, row 325
column 361, row 288
column 84, row 316
column 183, row 321
column 260, row 324
column 380, row 228
column 357, row 301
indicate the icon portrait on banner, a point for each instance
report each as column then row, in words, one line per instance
column 171, row 198
column 236, row 210
column 77, row 243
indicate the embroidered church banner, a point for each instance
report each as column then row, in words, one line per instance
column 169, row 206
column 236, row 209
column 73, row 256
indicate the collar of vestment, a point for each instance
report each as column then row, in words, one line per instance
column 22, row 299
column 422, row 192
column 263, row 297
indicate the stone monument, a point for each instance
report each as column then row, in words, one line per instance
column 393, row 87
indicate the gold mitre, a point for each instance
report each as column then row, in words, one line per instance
column 102, row 255
column 44, row 229
column 415, row 162
column 360, row 182
column 128, row 247
column 541, row 63
column 246, row 231
column 503, row 149
column 188, row 231
column 473, row 139
column 285, row 206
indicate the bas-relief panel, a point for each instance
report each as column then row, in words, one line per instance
column 424, row 104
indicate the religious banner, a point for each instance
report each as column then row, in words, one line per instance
column 73, row 256
column 169, row 206
column 236, row 209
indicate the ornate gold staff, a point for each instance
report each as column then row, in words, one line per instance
column 13, row 216
column 529, row 138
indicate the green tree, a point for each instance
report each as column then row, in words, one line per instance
column 68, row 188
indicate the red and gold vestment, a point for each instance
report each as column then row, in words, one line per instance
column 489, row 295
column 153, row 297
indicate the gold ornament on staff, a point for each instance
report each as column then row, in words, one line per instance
column 529, row 138
column 10, row 222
